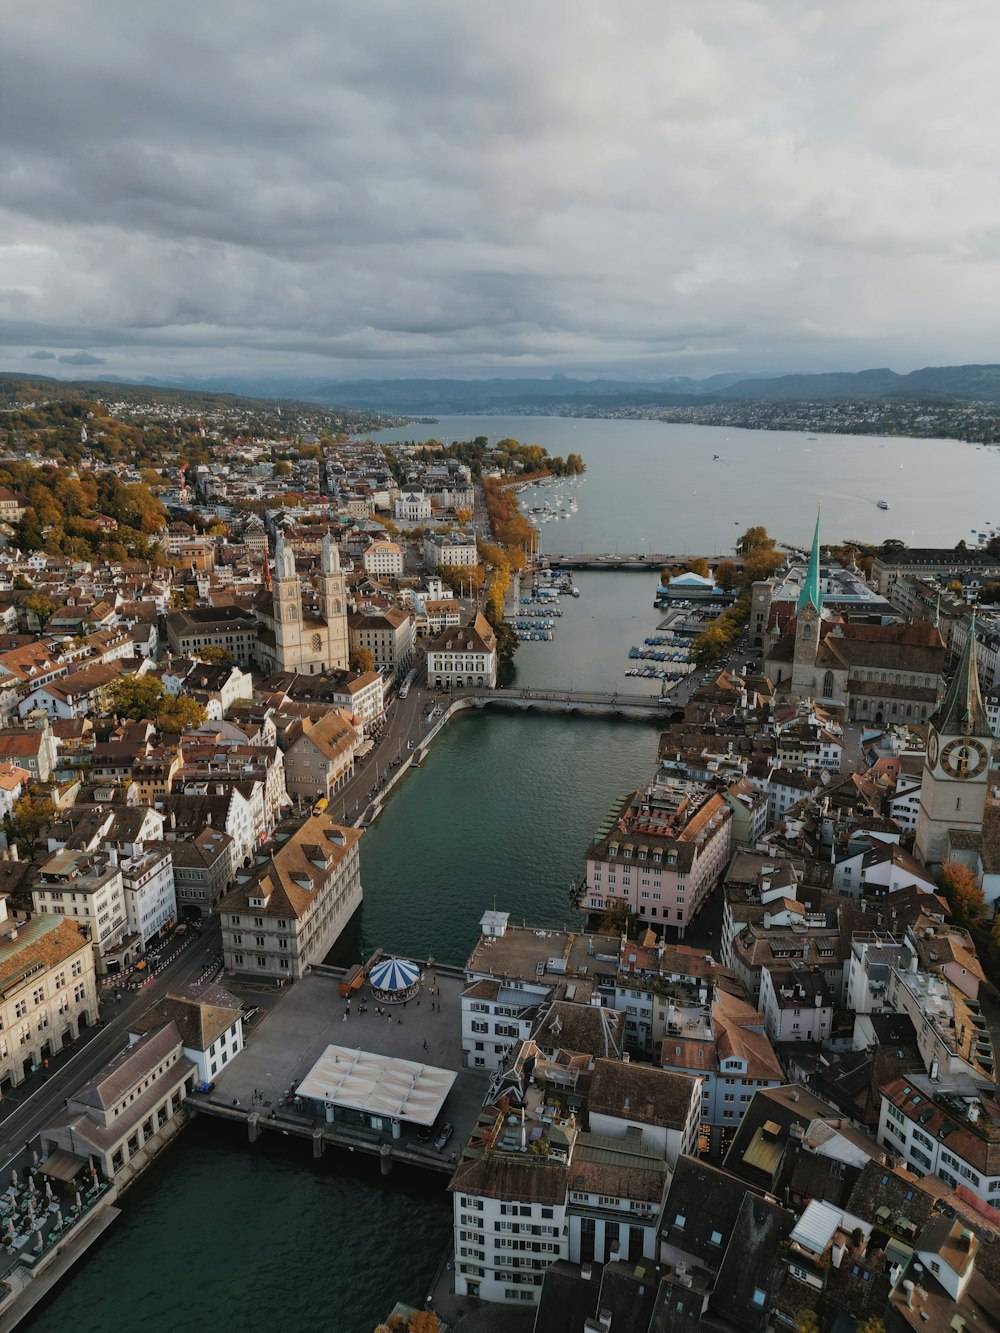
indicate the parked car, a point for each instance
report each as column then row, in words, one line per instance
column 442, row 1140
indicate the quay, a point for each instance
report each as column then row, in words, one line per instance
column 257, row 1092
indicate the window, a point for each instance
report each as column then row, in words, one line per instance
column 759, row 1296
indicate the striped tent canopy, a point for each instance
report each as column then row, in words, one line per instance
column 394, row 974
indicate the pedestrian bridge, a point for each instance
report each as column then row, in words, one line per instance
column 642, row 707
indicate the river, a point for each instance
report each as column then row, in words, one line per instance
column 221, row 1235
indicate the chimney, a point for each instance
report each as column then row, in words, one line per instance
column 586, row 1272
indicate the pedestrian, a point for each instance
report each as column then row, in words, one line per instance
column 345, row 1018
column 425, row 1043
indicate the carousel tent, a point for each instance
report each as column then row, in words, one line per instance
column 394, row 974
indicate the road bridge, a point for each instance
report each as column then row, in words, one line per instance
column 640, row 560
column 640, row 707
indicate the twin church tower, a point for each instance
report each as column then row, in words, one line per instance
column 291, row 641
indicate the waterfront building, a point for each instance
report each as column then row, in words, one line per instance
column 287, row 911
column 288, row 639
column 462, row 657
column 87, row 888
column 516, row 972
column 661, row 852
column 48, row 991
column 955, row 780
column 210, row 1027
column 130, row 1109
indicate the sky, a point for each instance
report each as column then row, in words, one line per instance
column 390, row 188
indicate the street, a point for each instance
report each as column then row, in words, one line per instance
column 39, row 1099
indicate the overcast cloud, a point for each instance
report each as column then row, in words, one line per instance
column 389, row 188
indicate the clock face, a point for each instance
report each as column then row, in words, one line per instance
column 933, row 745
column 964, row 758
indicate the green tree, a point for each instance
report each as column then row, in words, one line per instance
column 42, row 607
column 139, row 698
column 807, row 1321
column 362, row 660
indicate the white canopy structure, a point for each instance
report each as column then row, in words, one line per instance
column 377, row 1085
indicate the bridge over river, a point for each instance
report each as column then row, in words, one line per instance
column 641, row 707
column 640, row 560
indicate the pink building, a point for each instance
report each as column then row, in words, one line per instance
column 665, row 850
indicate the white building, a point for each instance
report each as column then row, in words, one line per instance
column 211, row 1030
column 450, row 550
column 384, row 558
column 797, row 1005
column 462, row 657
column 413, row 507
column 87, row 887
column 664, row 1107
column 148, row 886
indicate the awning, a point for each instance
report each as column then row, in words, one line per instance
column 62, row 1165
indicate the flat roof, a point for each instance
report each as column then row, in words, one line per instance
column 378, row 1084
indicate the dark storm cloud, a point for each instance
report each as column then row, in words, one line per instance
column 450, row 187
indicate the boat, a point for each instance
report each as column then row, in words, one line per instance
column 882, row 504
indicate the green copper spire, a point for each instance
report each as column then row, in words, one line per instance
column 810, row 594
column 962, row 713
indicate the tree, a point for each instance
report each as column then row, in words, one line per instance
column 755, row 539
column 807, row 1321
column 216, row 655
column 697, row 565
column 362, row 660
column 962, row 889
column 42, row 607
column 180, row 713
column 873, row 1324
column 29, row 820
column 424, row 1321
column 727, row 576
column 462, row 516
column 137, row 697
column 283, row 468
column 617, row 919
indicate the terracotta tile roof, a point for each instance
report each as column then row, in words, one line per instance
column 41, row 943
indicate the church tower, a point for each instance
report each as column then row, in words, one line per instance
column 808, row 615
column 287, row 595
column 333, row 604
column 955, row 781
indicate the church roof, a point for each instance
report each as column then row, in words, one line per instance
column 963, row 713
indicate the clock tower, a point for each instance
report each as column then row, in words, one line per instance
column 957, row 765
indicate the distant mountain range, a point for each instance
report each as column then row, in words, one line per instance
column 423, row 397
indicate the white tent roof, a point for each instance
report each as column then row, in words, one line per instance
column 378, row 1084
